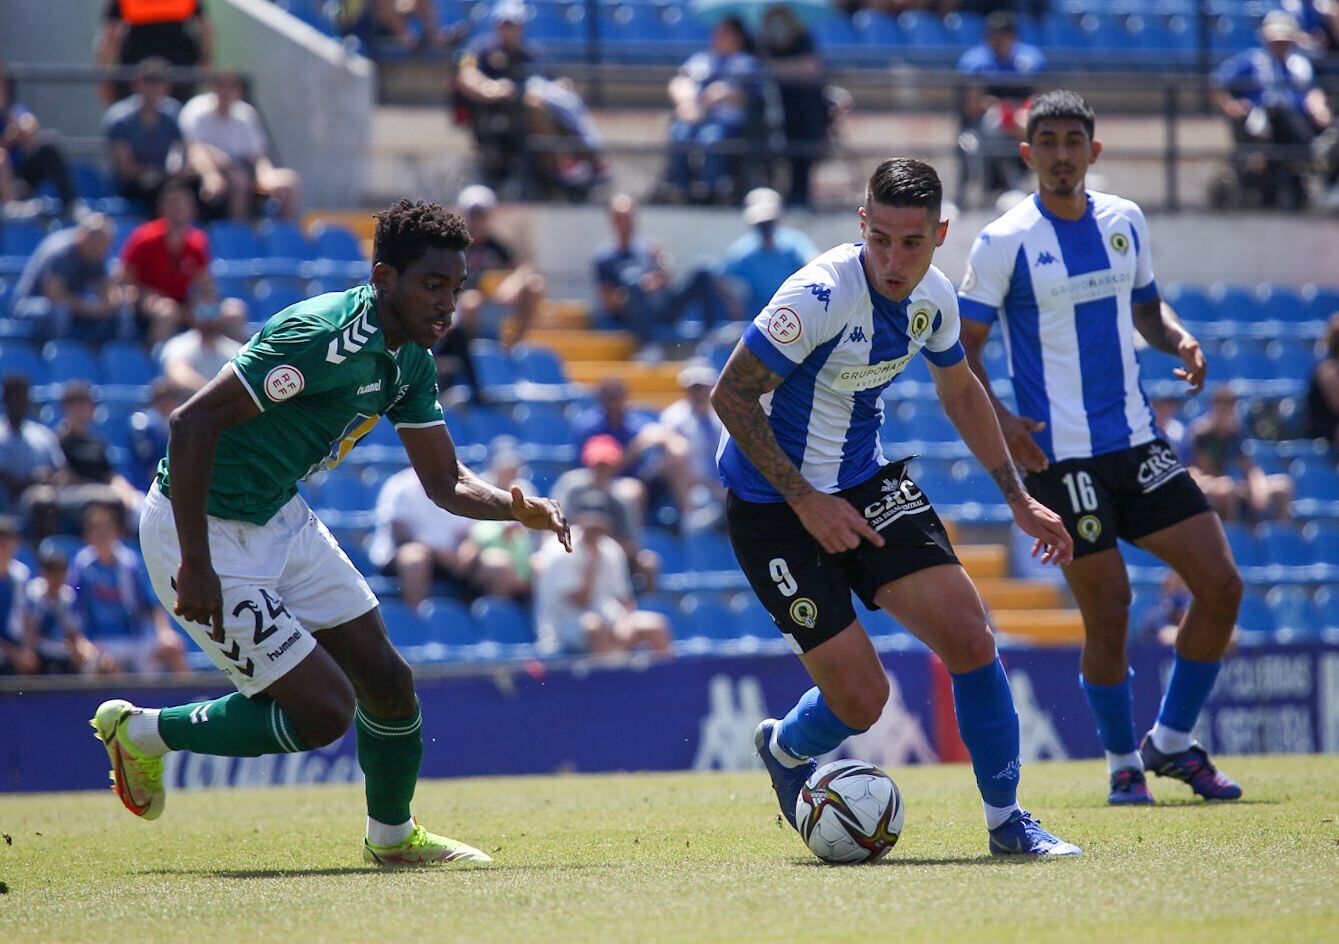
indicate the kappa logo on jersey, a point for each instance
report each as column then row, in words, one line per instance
column 857, row 335
column 351, row 340
column 784, row 326
column 1159, row 466
column 369, row 388
column 804, row 612
column 919, row 323
column 822, row 292
column 905, row 498
column 284, row 383
column 1120, row 242
column 865, row 376
column 1045, row 258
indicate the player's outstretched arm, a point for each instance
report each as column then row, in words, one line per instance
column 966, row 404
column 454, row 487
column 1158, row 323
column 193, row 433
column 1017, row 430
column 834, row 523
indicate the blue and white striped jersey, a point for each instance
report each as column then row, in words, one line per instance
column 1062, row 291
column 837, row 343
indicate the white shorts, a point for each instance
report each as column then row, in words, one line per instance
column 282, row 581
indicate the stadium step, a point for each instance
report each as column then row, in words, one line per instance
column 577, row 346
column 983, row 561
column 651, row 384
column 1043, row 627
column 1020, row 594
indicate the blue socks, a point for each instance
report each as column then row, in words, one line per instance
column 989, row 727
column 811, row 729
column 1187, row 691
column 1113, row 709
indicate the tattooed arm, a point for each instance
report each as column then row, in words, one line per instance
column 833, row 522
column 1158, row 323
column 966, row 404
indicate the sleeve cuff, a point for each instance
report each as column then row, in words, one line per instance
column 778, row 363
column 945, row 358
column 973, row 310
column 247, row 386
column 1145, row 293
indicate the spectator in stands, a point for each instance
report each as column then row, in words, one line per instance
column 1237, row 487
column 191, row 359
column 30, row 453
column 1322, row 395
column 636, row 290
column 787, row 49
column 179, row 33
column 87, row 460
column 768, row 254
column 17, row 656
column 30, row 155
column 1318, row 20
column 584, row 602
column 1270, row 96
column 994, row 104
column 148, row 431
column 656, row 456
column 1167, row 417
column 712, row 95
column 144, row 144
column 165, row 262
column 496, row 273
column 503, row 549
column 410, row 24
column 226, row 146
column 693, row 418
column 69, row 287
column 597, row 484
column 53, row 631
column 114, row 602
column 490, row 86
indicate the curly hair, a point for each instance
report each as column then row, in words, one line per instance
column 407, row 229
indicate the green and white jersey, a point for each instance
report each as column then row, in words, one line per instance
column 322, row 377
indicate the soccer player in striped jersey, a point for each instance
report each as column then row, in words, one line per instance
column 1068, row 273
column 815, row 511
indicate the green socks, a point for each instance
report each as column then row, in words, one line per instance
column 389, row 752
column 231, row 726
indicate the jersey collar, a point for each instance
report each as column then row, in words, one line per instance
column 1041, row 208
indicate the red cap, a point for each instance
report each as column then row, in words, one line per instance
column 603, row 448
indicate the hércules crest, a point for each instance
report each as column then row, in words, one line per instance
column 1120, row 242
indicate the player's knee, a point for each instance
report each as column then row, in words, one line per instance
column 326, row 723
column 862, row 707
column 970, row 651
column 1220, row 590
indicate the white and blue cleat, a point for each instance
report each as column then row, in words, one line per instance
column 786, row 781
column 1022, row 835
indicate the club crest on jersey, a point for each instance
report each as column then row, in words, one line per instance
column 284, row 382
column 1120, row 242
column 919, row 323
column 1089, row 528
column 804, row 612
column 784, row 326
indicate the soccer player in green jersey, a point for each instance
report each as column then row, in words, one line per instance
column 254, row 576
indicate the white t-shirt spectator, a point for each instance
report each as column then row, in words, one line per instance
column 703, row 432
column 240, row 135
column 205, row 360
column 560, row 574
column 403, row 501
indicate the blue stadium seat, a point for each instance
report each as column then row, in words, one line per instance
column 488, row 423
column 877, row 29
column 70, row 360
column 1323, row 299
column 1063, row 32
column 1281, row 544
column 1235, row 302
column 20, row 357
column 929, row 424
column 502, row 621
column 18, row 240
column 273, row 296
column 1231, row 34
column 708, row 618
column 537, row 365
column 90, row 182
column 449, row 622
column 332, row 241
column 1282, row 303
column 543, row 424
column 551, row 22
column 750, row 617
column 231, row 240
column 709, row 551
column 1322, row 541
column 1245, row 361
column 1246, row 549
column 1294, row 612
column 124, row 362
column 922, row 29
column 965, row 29
column 1255, row 616
column 683, row 28
column 404, row 626
column 286, row 251
column 1316, row 479
column 1156, row 366
column 1190, row 301
column 1327, row 608
column 1292, row 359
column 834, row 32
column 667, row 547
column 344, row 492
column 667, row 607
column 492, row 366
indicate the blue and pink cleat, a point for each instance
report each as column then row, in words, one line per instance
column 1129, row 788
column 1192, row 767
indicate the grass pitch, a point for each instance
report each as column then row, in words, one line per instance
column 682, row 857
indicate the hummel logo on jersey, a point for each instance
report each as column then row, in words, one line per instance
column 857, row 335
column 351, row 340
column 369, row 388
column 1045, row 258
column 822, row 292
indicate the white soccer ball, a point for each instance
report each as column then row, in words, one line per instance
column 849, row 811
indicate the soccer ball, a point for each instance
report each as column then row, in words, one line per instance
column 849, row 811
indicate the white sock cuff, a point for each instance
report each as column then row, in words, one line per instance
column 384, row 834
column 142, row 729
column 996, row 815
column 783, row 757
column 1169, row 740
column 1117, row 762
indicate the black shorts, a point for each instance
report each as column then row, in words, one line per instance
column 1127, row 494
column 808, row 590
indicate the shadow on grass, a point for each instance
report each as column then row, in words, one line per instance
column 891, row 860
column 372, row 871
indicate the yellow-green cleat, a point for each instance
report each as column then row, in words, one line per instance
column 136, row 777
column 423, row 848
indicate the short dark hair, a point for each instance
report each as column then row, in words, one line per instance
column 905, row 182
column 1060, row 104
column 409, row 227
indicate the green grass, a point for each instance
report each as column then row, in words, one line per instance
column 681, row 857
